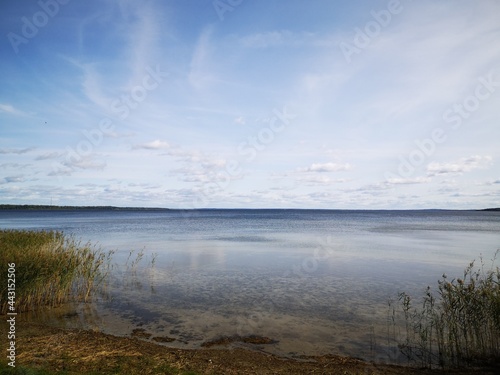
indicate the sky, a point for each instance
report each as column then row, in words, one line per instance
column 250, row 104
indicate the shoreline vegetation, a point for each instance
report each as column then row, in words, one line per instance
column 46, row 207
column 457, row 324
column 455, row 330
column 50, row 269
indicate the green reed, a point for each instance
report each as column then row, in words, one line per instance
column 51, row 268
column 459, row 323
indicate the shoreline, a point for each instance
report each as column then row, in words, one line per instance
column 85, row 351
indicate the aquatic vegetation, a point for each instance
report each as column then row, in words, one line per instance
column 50, row 268
column 459, row 324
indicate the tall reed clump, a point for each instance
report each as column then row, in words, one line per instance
column 457, row 325
column 50, row 268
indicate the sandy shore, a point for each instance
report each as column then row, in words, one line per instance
column 82, row 352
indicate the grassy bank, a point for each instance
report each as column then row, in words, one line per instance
column 457, row 324
column 50, row 268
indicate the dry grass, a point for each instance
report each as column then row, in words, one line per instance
column 51, row 268
column 457, row 325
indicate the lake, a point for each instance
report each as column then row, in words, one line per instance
column 316, row 281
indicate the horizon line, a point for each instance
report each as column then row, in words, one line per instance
column 111, row 207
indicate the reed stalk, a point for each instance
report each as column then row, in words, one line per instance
column 459, row 323
column 51, row 268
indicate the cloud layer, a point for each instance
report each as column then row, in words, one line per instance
column 315, row 106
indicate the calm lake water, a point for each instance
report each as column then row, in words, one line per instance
column 317, row 281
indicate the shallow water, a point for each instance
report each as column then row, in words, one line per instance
column 317, row 281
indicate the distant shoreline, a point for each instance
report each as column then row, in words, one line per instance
column 116, row 208
column 58, row 208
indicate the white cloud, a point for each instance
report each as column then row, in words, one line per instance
column 265, row 40
column 16, row 150
column 320, row 180
column 492, row 182
column 14, row 165
column 70, row 165
column 326, row 167
column 60, row 171
column 49, row 155
column 199, row 168
column 195, row 157
column 240, row 120
column 8, row 108
column 153, row 145
column 144, row 35
column 12, row 179
column 92, row 85
column 85, row 163
column 458, row 167
column 313, row 175
column 280, row 38
column 200, row 73
column 408, row 181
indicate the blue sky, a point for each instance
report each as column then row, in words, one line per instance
column 263, row 103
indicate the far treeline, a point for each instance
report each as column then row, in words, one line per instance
column 97, row 208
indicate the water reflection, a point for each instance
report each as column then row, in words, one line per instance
column 316, row 282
